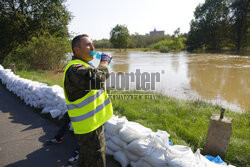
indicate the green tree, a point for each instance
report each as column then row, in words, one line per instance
column 195, row 38
column 210, row 27
column 119, row 36
column 178, row 40
column 20, row 20
column 103, row 43
column 144, row 41
column 239, row 23
column 137, row 41
column 177, row 33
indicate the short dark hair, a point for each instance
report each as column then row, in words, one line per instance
column 76, row 42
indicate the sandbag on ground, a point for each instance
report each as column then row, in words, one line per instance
column 140, row 163
column 113, row 126
column 180, row 156
column 118, row 141
column 121, row 158
column 113, row 147
column 133, row 131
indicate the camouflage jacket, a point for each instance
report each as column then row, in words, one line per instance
column 79, row 80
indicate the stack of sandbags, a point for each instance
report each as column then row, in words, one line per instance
column 50, row 98
column 134, row 144
column 148, row 151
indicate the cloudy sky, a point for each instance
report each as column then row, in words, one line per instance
column 97, row 17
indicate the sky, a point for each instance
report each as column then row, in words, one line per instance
column 97, row 17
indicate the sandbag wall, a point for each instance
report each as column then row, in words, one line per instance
column 130, row 143
column 134, row 144
column 38, row 95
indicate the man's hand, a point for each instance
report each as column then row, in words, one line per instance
column 106, row 58
column 104, row 63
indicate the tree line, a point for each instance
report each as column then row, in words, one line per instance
column 217, row 25
column 220, row 24
column 120, row 38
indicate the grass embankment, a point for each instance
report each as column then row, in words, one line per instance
column 128, row 49
column 186, row 121
column 49, row 77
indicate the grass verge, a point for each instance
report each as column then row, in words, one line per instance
column 49, row 77
column 128, row 49
column 186, row 121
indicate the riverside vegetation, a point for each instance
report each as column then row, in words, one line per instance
column 186, row 121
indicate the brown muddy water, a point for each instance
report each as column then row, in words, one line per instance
column 218, row 78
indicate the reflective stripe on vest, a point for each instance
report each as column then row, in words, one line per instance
column 89, row 112
column 86, row 101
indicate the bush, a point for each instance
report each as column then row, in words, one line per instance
column 104, row 43
column 176, row 44
column 164, row 43
column 19, row 57
column 164, row 49
column 41, row 53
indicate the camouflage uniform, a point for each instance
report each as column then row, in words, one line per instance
column 79, row 80
column 92, row 148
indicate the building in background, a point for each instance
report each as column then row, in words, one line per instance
column 155, row 32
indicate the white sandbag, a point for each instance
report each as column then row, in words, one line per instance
column 202, row 161
column 121, row 158
column 180, row 156
column 157, row 158
column 131, row 156
column 46, row 110
column 118, row 141
column 112, row 146
column 109, row 152
column 56, row 89
column 55, row 113
column 113, row 126
column 132, row 163
column 139, row 163
column 133, row 131
column 162, row 138
column 49, row 91
column 49, row 96
column 142, row 147
column 34, row 104
column 42, row 103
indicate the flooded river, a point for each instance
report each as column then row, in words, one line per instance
column 218, row 78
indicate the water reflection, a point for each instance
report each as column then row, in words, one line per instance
column 175, row 63
column 221, row 77
column 121, row 60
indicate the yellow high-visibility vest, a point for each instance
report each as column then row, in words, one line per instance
column 91, row 111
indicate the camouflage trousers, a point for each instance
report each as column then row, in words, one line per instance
column 92, row 148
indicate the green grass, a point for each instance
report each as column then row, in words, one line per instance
column 49, row 77
column 186, row 121
column 128, row 49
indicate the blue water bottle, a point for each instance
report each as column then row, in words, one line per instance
column 98, row 56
